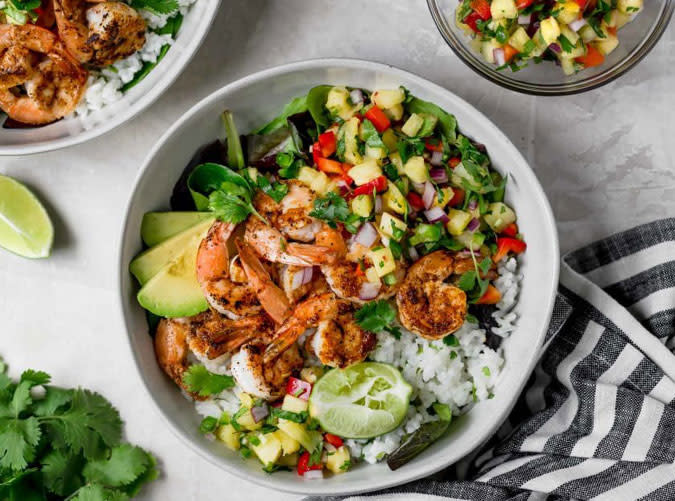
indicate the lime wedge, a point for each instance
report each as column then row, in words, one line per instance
column 361, row 401
column 25, row 228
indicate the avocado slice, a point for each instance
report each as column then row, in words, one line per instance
column 159, row 226
column 174, row 290
column 149, row 263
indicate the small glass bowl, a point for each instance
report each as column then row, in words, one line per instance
column 636, row 39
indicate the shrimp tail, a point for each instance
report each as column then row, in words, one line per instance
column 313, row 254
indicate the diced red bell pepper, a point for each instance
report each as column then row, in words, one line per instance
column 592, row 58
column 506, row 245
column 511, row 230
column 333, row 440
column 435, row 146
column 415, row 201
column 491, row 296
column 330, row 166
column 471, row 21
column 316, row 152
column 304, row 466
column 509, row 52
column 328, row 143
column 454, row 162
column 522, row 4
column 298, row 388
column 378, row 184
column 482, row 8
column 580, row 3
column 379, row 119
column 457, row 197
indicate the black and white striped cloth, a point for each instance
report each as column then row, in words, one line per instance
column 597, row 418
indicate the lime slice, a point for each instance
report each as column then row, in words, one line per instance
column 361, row 401
column 25, row 228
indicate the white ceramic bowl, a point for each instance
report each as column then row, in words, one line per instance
column 254, row 100
column 71, row 131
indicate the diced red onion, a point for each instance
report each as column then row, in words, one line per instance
column 577, row 24
column 439, row 174
column 378, row 204
column 369, row 290
column 414, row 255
column 473, row 224
column 260, row 412
column 356, row 96
column 342, row 184
column 555, row 48
column 473, row 204
column 313, row 475
column 329, row 447
column 436, row 158
column 298, row 277
column 436, row 214
column 419, row 187
column 307, row 274
column 366, row 236
column 500, row 57
column 428, row 195
column 464, row 253
column 524, row 19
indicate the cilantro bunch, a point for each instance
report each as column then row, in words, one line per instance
column 57, row 443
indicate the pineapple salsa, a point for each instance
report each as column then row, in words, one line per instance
column 576, row 34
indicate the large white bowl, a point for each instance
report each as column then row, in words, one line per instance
column 72, row 130
column 254, row 100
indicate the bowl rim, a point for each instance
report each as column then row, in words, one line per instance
column 314, row 488
column 171, row 73
column 564, row 89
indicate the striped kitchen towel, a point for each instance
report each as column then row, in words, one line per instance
column 597, row 418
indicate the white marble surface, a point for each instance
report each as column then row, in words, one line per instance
column 605, row 159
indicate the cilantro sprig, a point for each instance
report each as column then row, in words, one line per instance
column 197, row 379
column 333, row 209
column 378, row 316
column 66, row 444
column 156, row 6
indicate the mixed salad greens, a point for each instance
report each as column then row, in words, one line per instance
column 576, row 34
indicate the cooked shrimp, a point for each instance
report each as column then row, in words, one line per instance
column 225, row 295
column 52, row 81
column 338, row 340
column 209, row 336
column 99, row 34
column 427, row 305
column 260, row 378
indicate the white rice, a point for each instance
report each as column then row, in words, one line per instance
column 104, row 86
column 436, row 375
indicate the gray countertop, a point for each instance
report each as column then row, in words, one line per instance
column 605, row 159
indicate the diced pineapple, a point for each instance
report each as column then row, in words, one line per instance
column 567, row 11
column 395, row 113
column 309, row 439
column 518, row 39
column 619, row 19
column 501, row 9
column 571, row 35
column 416, row 170
column 375, row 153
column 549, row 30
column 365, row 172
column 362, row 205
column 338, row 462
column 389, row 139
column 288, row 444
column 388, row 223
column 229, row 436
column 629, row 6
column 316, row 180
column 349, row 132
column 487, row 49
column 269, row 448
column 294, row 404
column 388, row 98
column 568, row 65
column 339, row 103
column 395, row 158
column 471, row 240
column 371, row 275
column 311, row 374
column 461, row 176
column 393, row 199
column 246, row 421
column 289, row 460
column 246, row 399
column 458, row 220
column 587, row 33
column 383, row 261
column 499, row 216
column 577, row 51
column 446, row 196
column 412, row 125
column 606, row 45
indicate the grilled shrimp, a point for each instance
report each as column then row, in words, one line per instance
column 40, row 82
column 209, row 336
column 427, row 305
column 338, row 340
column 99, row 34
